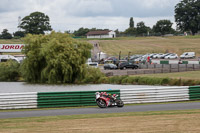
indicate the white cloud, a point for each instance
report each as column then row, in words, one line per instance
column 90, row 7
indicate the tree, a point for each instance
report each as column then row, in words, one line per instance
column 163, row 27
column 141, row 28
column 117, row 32
column 130, row 31
column 5, row 34
column 54, row 58
column 36, row 23
column 81, row 31
column 19, row 34
column 187, row 15
column 131, row 24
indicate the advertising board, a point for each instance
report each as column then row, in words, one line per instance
column 11, row 48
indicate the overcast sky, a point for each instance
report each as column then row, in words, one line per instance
column 73, row 14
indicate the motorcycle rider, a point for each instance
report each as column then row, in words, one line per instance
column 112, row 98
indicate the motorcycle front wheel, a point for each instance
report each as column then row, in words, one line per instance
column 120, row 103
column 101, row 103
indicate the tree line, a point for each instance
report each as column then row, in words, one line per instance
column 187, row 18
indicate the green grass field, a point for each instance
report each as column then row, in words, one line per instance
column 143, row 45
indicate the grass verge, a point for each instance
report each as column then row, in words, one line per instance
column 152, row 121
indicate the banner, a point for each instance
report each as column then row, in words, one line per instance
column 11, row 48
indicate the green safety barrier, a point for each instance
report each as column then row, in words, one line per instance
column 164, row 62
column 70, row 98
column 184, row 62
column 194, row 92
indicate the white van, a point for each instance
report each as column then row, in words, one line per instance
column 4, row 58
column 187, row 55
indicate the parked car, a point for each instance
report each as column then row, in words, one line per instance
column 126, row 65
column 157, row 55
column 187, row 55
column 164, row 55
column 110, row 66
column 171, row 56
column 151, row 55
column 93, row 64
column 4, row 58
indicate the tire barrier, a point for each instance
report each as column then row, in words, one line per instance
column 152, row 95
column 18, row 100
column 87, row 98
column 66, row 99
column 194, row 92
column 50, row 99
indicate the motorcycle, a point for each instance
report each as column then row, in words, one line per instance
column 104, row 100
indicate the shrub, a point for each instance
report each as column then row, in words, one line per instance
column 92, row 75
column 117, row 79
column 165, row 81
column 9, row 71
column 103, row 80
column 149, row 81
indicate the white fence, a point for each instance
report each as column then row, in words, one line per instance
column 157, row 94
column 18, row 100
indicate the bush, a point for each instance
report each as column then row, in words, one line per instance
column 9, row 71
column 150, row 81
column 92, row 75
column 117, row 79
column 104, row 80
column 165, row 81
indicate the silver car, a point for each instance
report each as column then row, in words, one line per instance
column 110, row 66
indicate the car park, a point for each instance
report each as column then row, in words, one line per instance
column 110, row 66
column 126, row 65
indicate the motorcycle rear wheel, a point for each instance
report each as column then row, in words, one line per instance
column 120, row 103
column 101, row 103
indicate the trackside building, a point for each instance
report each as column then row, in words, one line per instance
column 101, row 34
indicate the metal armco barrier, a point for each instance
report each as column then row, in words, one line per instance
column 64, row 99
column 18, row 100
column 194, row 92
column 157, row 94
column 49, row 99
column 87, row 98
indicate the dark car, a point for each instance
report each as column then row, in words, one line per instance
column 125, row 65
column 110, row 66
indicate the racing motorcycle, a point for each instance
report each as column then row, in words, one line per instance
column 104, row 100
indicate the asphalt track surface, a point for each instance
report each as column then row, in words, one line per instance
column 97, row 110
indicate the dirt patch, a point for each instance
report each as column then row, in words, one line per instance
column 181, row 123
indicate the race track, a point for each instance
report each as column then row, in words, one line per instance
column 96, row 110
